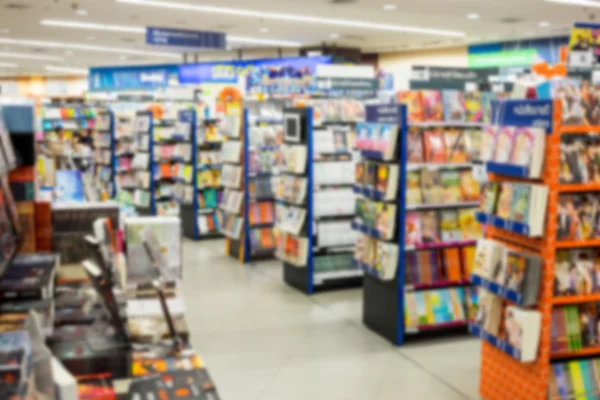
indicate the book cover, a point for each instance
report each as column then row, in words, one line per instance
column 525, row 141
column 387, row 260
column 521, row 200
column 413, row 229
column 360, row 173
column 414, row 104
column 433, row 110
column 435, row 146
column 470, row 188
column 504, row 144
column 470, row 228
column 415, row 145
column 451, row 186
column 414, row 195
column 454, row 106
column 474, row 109
column 430, row 227
column 505, row 201
column 516, row 271
column 449, row 229
column 386, row 220
column 488, row 143
column 432, row 188
column 490, row 200
column 456, row 146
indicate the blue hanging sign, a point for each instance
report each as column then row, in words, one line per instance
column 523, row 113
column 140, row 77
column 185, row 38
column 384, row 114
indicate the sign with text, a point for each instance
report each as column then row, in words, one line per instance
column 523, row 113
column 185, row 38
column 384, row 114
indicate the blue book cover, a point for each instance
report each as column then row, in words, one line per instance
column 69, row 186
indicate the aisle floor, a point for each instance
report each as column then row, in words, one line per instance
column 262, row 340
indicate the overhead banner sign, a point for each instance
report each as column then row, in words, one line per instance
column 425, row 77
column 184, row 38
column 140, row 77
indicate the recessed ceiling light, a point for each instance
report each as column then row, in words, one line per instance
column 473, row 16
column 389, row 7
column 8, row 65
column 29, row 56
column 335, row 36
column 264, row 30
column 67, row 70
column 141, row 30
column 584, row 3
column 292, row 17
column 86, row 47
column 81, row 12
column 544, row 24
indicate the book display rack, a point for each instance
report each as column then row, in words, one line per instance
column 104, row 154
column 530, row 317
column 63, row 144
column 315, row 208
column 173, row 162
column 208, row 164
column 144, row 186
column 422, row 179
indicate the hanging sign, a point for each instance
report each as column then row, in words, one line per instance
column 185, row 38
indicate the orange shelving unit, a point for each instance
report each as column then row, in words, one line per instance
column 502, row 376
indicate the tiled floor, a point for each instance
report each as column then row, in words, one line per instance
column 262, row 340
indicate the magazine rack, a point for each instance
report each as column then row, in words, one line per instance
column 107, row 183
column 307, row 278
column 503, row 375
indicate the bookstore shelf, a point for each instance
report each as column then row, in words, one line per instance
column 511, row 170
column 464, row 204
column 435, row 285
column 578, row 187
column 435, row 327
column 587, row 352
column 579, row 129
column 432, row 166
column 577, row 244
column 580, row 299
column 504, row 224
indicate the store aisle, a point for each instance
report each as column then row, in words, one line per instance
column 264, row 341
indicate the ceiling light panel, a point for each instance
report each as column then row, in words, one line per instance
column 67, row 70
column 579, row 3
column 27, row 56
column 8, row 65
column 239, row 12
column 86, row 47
column 141, row 30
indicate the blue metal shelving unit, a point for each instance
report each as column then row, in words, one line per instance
column 151, row 163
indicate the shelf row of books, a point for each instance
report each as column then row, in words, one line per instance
column 103, row 147
column 575, row 378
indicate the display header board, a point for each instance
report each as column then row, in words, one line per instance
column 184, row 38
column 523, row 113
column 384, row 114
column 425, row 77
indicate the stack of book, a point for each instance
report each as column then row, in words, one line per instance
column 436, row 308
column 516, row 272
column 574, row 327
column 518, row 202
column 518, row 328
column 575, row 379
column 333, row 111
column 444, row 145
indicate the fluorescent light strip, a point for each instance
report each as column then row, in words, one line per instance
column 293, row 18
column 79, row 71
column 86, row 47
column 8, row 65
column 27, row 56
column 140, row 30
column 584, row 3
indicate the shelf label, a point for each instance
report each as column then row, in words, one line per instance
column 384, row 114
column 523, row 113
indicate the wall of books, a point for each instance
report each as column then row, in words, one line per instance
column 103, row 143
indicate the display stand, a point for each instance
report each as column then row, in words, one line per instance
column 300, row 236
column 208, row 189
column 503, row 375
column 258, row 198
column 143, row 197
column 104, row 154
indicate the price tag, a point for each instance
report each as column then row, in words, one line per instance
column 480, row 173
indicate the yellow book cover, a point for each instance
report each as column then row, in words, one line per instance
column 430, row 300
column 577, row 379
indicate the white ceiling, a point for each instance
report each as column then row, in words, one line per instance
column 22, row 20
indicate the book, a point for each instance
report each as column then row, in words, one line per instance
column 387, row 180
column 432, row 105
column 522, row 329
column 387, row 260
column 414, row 104
column 414, row 194
column 470, row 188
column 473, row 106
column 451, row 192
column 415, row 146
column 434, row 307
column 529, row 150
column 489, row 314
column 454, row 106
column 505, row 140
column 435, row 146
column 470, row 228
column 449, row 229
column 505, row 200
column 488, row 143
column 456, row 146
column 522, row 273
column 431, row 186
column 488, row 259
column 430, row 227
column 413, row 235
column 385, row 221
column 388, row 141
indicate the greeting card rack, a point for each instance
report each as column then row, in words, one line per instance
column 318, row 271
column 503, row 375
column 143, row 132
column 104, row 144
